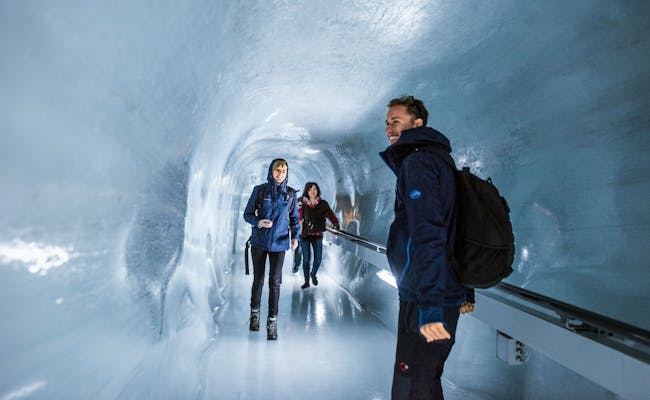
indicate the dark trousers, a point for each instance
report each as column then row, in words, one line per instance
column 309, row 242
column 418, row 364
column 297, row 255
column 276, row 259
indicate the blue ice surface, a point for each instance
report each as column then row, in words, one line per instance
column 132, row 134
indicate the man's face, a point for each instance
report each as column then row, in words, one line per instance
column 280, row 173
column 398, row 120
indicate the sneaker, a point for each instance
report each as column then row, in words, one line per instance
column 315, row 280
column 295, row 269
column 272, row 328
column 305, row 285
column 254, row 320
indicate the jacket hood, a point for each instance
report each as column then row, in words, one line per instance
column 272, row 185
column 410, row 139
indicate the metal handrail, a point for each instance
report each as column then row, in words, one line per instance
column 599, row 323
column 379, row 248
column 590, row 321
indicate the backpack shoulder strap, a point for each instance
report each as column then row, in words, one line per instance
column 290, row 192
column 441, row 152
column 260, row 196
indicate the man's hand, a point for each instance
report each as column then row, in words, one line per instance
column 265, row 223
column 294, row 243
column 434, row 331
column 466, row 308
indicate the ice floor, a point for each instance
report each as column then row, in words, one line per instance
column 327, row 347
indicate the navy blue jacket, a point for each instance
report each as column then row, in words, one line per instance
column 277, row 203
column 423, row 228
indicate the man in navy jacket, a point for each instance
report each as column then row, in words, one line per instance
column 431, row 298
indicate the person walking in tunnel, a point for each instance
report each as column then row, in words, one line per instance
column 313, row 213
column 273, row 214
column 430, row 295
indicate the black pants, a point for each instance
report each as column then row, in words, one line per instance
column 418, row 364
column 276, row 259
column 297, row 255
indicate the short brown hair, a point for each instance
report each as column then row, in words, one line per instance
column 279, row 163
column 414, row 107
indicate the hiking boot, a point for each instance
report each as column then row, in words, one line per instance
column 305, row 285
column 254, row 320
column 272, row 328
column 314, row 279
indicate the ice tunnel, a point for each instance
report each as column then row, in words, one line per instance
column 132, row 134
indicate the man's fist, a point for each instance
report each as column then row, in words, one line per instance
column 466, row 308
column 434, row 331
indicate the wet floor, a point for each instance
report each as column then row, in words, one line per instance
column 327, row 347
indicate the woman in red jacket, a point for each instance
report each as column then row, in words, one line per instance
column 312, row 217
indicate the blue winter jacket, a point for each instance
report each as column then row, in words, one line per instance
column 423, row 229
column 276, row 202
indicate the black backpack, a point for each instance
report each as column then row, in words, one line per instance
column 485, row 243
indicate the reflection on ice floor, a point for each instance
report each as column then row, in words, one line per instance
column 327, row 347
column 330, row 348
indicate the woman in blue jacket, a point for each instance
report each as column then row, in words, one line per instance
column 273, row 214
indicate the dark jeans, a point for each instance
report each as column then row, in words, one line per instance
column 418, row 364
column 276, row 259
column 308, row 242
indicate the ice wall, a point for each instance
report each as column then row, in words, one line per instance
column 132, row 133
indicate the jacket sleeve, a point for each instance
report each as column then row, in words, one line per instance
column 422, row 185
column 331, row 216
column 470, row 295
column 249, row 213
column 294, row 218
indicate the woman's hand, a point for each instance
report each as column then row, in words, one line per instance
column 265, row 223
